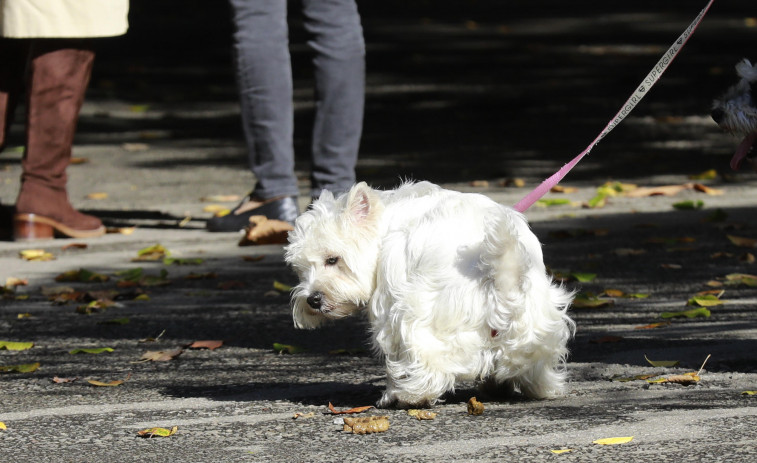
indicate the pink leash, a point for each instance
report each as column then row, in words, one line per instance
column 649, row 81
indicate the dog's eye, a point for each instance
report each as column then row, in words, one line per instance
column 332, row 260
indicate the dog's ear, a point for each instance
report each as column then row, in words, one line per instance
column 745, row 70
column 360, row 203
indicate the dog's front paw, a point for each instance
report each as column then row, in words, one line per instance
column 390, row 400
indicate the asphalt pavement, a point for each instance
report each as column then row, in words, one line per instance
column 479, row 96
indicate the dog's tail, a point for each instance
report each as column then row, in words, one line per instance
column 530, row 318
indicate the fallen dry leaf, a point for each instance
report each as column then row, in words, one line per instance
column 366, row 425
column 263, row 230
column 158, row 432
column 475, row 407
column 121, row 230
column 652, row 326
column 220, row 198
column 613, row 440
column 58, row 380
column 563, row 189
column 422, row 414
column 216, row 209
column 13, row 345
column 12, row 282
column 160, row 355
column 708, row 190
column 23, row 368
column 74, row 246
column 662, row 363
column 666, row 190
column 742, row 242
column 299, row 415
column 36, row 255
column 211, row 345
column 351, row 411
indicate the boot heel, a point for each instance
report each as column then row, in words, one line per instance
column 25, row 228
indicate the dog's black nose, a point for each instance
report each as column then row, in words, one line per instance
column 315, row 300
column 717, row 115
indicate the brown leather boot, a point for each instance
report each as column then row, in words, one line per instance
column 58, row 76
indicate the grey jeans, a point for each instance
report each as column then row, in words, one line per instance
column 264, row 77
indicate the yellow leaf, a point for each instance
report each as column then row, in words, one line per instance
column 98, row 195
column 613, row 440
column 39, row 255
column 10, row 345
column 2, row 426
column 558, row 452
column 215, row 209
column 279, row 286
column 25, row 368
column 94, row 382
column 220, row 199
column 749, row 393
column 708, row 190
column 158, row 432
column 743, row 242
column 711, row 174
column 12, row 282
column 662, row 363
column 121, row 230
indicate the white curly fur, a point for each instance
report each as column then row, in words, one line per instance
column 736, row 111
column 454, row 286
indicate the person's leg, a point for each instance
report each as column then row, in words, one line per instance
column 337, row 39
column 57, row 80
column 264, row 80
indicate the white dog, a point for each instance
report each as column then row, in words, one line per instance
column 454, row 286
column 736, row 111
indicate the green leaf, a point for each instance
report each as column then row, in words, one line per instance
column 11, row 345
column 689, row 205
column 279, row 286
column 132, row 274
column 25, row 368
column 711, row 174
column 741, row 279
column 662, row 363
column 288, row 349
column 584, row 277
column 707, row 300
column 82, row 275
column 553, row 202
column 691, row 313
column 584, row 301
column 94, row 350
column 599, row 201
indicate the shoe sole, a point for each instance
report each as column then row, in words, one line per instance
column 33, row 227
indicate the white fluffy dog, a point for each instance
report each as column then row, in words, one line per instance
column 736, row 111
column 454, row 286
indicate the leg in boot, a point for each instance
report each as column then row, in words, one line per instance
column 58, row 75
